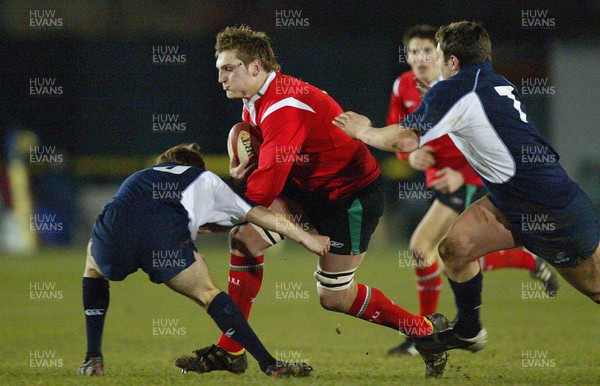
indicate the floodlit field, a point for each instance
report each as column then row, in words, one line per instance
column 532, row 340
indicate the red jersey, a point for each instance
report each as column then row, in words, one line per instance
column 300, row 144
column 405, row 99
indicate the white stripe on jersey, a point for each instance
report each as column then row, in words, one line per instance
column 467, row 124
column 396, row 87
column 290, row 101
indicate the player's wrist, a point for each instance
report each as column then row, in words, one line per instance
column 362, row 133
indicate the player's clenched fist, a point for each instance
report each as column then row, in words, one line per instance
column 422, row 158
column 352, row 123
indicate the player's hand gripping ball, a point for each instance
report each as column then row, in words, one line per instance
column 243, row 146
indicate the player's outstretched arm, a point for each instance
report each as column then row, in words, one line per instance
column 394, row 138
column 266, row 218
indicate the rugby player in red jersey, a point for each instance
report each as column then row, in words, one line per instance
column 330, row 178
column 453, row 181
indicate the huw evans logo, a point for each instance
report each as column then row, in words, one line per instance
column 168, row 55
column 167, row 259
column 290, row 291
column 291, row 19
column 45, row 223
column 44, row 154
column 44, row 359
column 166, row 191
column 538, row 154
column 536, row 359
column 44, row 291
column 168, row 123
column 537, row 223
column 536, row 86
column 44, row 19
column 167, row 327
column 413, row 191
column 44, row 87
column 537, row 19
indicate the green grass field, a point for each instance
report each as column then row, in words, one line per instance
column 541, row 342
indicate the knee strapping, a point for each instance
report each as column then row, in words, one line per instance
column 270, row 237
column 334, row 281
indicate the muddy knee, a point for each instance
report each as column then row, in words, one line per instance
column 452, row 251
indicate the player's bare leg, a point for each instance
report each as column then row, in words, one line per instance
column 429, row 232
column 195, row 283
column 428, row 268
column 423, row 245
column 96, row 296
column 338, row 291
column 339, row 300
column 585, row 277
column 91, row 268
column 247, row 259
column 481, row 229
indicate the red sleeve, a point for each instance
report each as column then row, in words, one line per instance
column 396, row 111
column 402, row 156
column 284, row 132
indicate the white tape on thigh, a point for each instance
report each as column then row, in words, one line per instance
column 270, row 237
column 334, row 281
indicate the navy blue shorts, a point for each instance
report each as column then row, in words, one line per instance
column 559, row 236
column 123, row 242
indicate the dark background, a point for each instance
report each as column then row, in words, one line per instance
column 102, row 58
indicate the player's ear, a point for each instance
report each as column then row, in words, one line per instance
column 455, row 63
column 255, row 67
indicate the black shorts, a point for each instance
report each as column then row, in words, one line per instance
column 349, row 222
column 462, row 198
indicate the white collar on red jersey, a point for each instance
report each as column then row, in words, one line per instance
column 249, row 103
column 264, row 87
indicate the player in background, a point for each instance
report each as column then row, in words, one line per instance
column 531, row 200
column 453, row 181
column 151, row 224
column 306, row 166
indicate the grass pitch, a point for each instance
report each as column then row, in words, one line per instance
column 532, row 340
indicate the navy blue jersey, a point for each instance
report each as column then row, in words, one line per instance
column 155, row 216
column 188, row 196
column 483, row 114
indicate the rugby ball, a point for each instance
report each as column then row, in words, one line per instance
column 243, row 142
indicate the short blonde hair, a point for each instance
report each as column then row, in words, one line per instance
column 249, row 45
